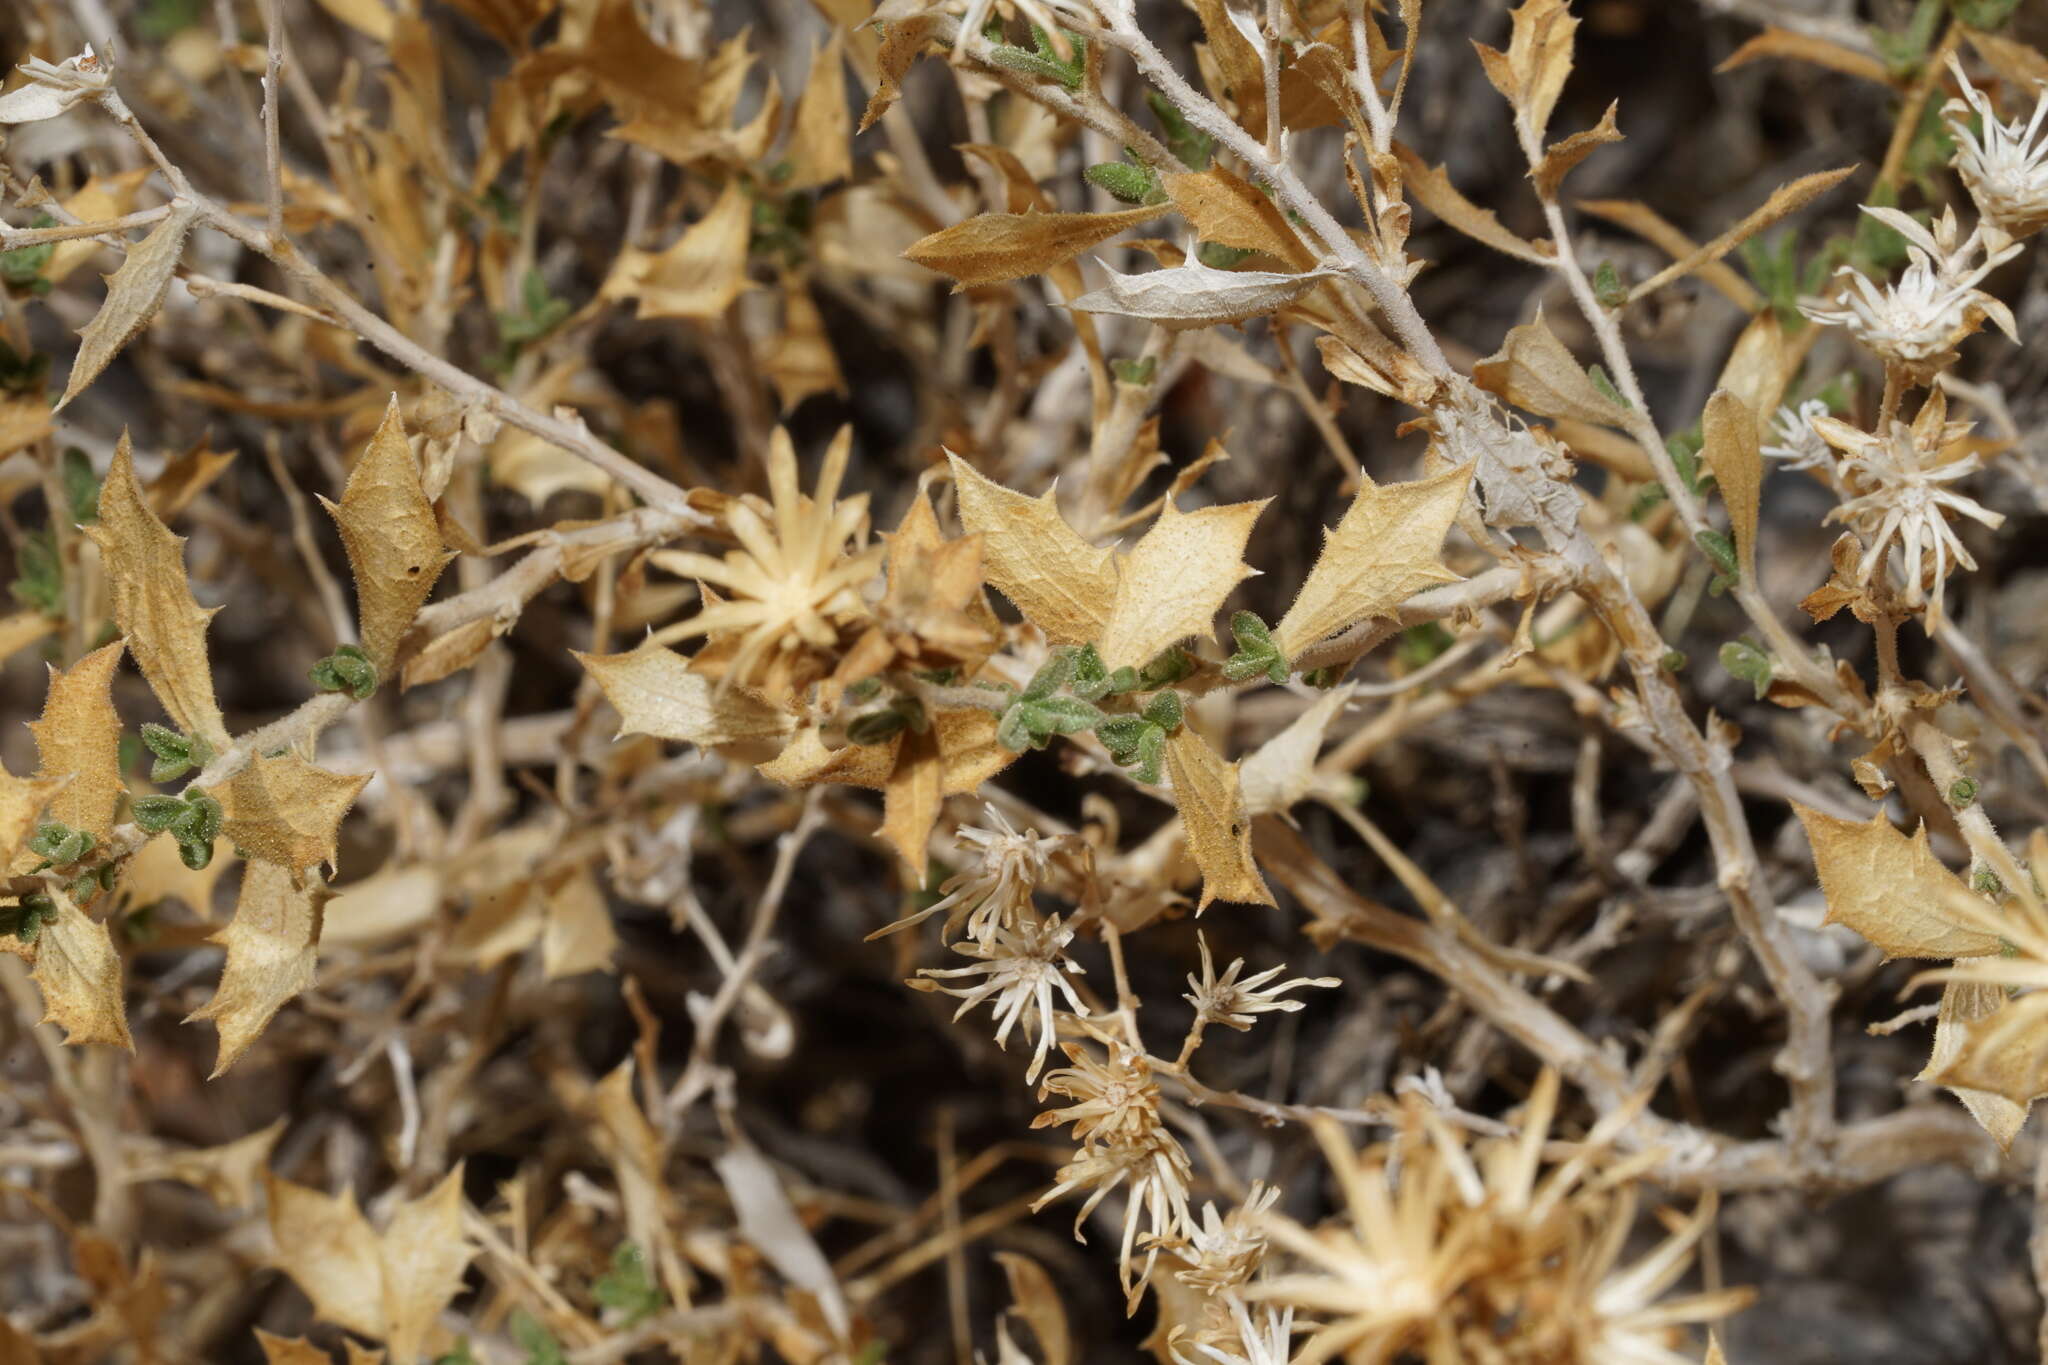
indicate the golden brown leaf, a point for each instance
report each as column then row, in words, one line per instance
column 1733, row 453
column 424, row 1253
column 1805, row 47
column 1561, row 157
column 1533, row 370
column 578, row 936
column 1888, row 888
column 1029, row 554
column 910, row 801
column 1784, row 201
column 1531, row 73
column 1228, row 210
column 1965, row 1004
column 102, row 198
column 328, row 1248
column 1171, row 583
column 393, row 540
column 1212, row 813
column 166, row 628
column 996, row 247
column 655, row 693
column 22, row 800
column 227, row 1174
column 1384, row 550
column 79, row 736
column 286, row 810
column 1433, row 189
column 902, row 44
column 80, row 976
column 290, row 1350
column 700, row 274
column 821, row 141
column 134, row 293
column 273, row 949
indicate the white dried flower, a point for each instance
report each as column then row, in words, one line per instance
column 2004, row 165
column 1269, row 1340
column 996, row 888
column 1237, row 1004
column 1224, row 1250
column 1021, row 966
column 52, row 89
column 1798, row 444
column 1899, row 482
column 1917, row 320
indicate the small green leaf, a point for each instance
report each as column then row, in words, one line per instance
column 1190, row 145
column 628, row 1288
column 1744, row 660
column 348, row 670
column 1606, row 386
column 1608, row 289
column 1139, row 372
column 155, row 813
column 1721, row 551
column 1126, row 183
column 1256, row 652
column 1962, row 792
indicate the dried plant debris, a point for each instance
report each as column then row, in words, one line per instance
column 898, row 682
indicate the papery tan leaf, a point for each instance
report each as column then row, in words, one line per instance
column 286, row 810
column 1561, row 157
column 903, row 42
column 328, row 1248
column 1733, row 452
column 228, row 1174
column 1714, row 1354
column 396, row 901
column 424, row 1253
column 101, row 199
column 22, row 801
column 1534, row 370
column 1762, row 362
column 1228, row 210
column 372, row 18
column 1805, row 47
column 1282, row 771
column 80, row 976
column 633, row 1149
column 1784, row 201
column 968, row 751
column 79, row 736
column 1061, row 583
column 1531, row 73
column 22, row 629
column 23, row 422
column 1386, row 548
column 996, row 247
column 158, row 873
column 799, row 359
column 166, row 628
column 393, row 539
column 1194, row 296
column 184, row 477
column 290, row 1351
column 446, row 655
column 1964, row 1004
column 697, row 276
column 134, row 293
column 1432, row 188
column 2003, row 1053
column 655, row 693
column 1889, row 888
column 2025, row 67
column 578, row 936
column 1037, row 1300
column 273, row 951
column 806, row 761
column 821, row 140
column 1172, row 582
column 1652, row 227
column 500, row 923
column 1212, row 814
column 910, row 805
column 1352, row 368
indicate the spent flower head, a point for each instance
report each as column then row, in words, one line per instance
column 1226, row 1000
column 2004, row 165
column 1917, row 320
column 1798, row 445
column 996, row 887
column 1020, row 968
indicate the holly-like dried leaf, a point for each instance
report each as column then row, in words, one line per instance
column 700, row 274
column 1193, row 295
column 79, row 737
column 22, row 801
column 1733, row 453
column 1230, row 211
column 273, row 947
column 80, row 976
column 901, row 45
column 1064, row 585
column 1533, row 370
column 134, row 293
column 578, row 936
column 227, row 1174
column 997, row 247
column 393, row 540
column 1207, row 793
column 821, row 141
column 1433, row 189
column 1889, row 888
column 1561, row 157
column 655, row 693
column 1964, row 1004
column 328, row 1248
column 1384, row 550
column 424, row 1253
column 1172, row 582
column 286, row 810
column 166, row 628
column 1532, row 72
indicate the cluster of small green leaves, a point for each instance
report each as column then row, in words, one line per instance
column 39, row 572
column 21, row 270
column 1256, row 652
column 628, row 1288
column 60, row 846
column 25, row 919
column 348, row 670
column 1061, row 699
column 1132, row 182
column 175, row 754
column 539, row 313
column 192, row 818
column 1745, row 659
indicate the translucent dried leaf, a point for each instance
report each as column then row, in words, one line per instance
column 1282, row 771
column 1733, row 451
column 655, row 693
column 329, row 1249
column 1560, row 157
column 273, row 946
column 1386, row 548
column 79, row 736
column 166, row 628
column 578, row 936
column 80, row 976
column 286, row 810
column 1889, row 888
column 910, row 805
column 1964, row 1004
column 1064, row 585
column 1193, row 295
column 821, row 141
column 902, row 44
column 996, row 247
column 393, row 540
column 1036, row 1299
column 134, row 293
column 1207, row 793
column 1172, row 582
column 1532, row 72
column 1534, row 370
column 700, row 274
